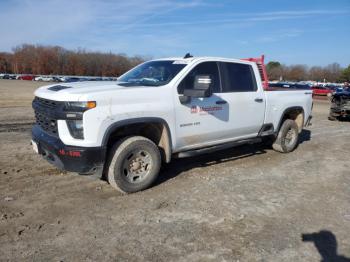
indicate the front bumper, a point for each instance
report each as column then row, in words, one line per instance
column 83, row 160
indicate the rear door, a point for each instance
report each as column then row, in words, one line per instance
column 246, row 100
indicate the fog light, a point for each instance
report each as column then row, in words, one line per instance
column 76, row 128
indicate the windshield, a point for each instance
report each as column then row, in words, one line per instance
column 153, row 73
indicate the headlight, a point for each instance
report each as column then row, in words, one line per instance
column 79, row 106
column 76, row 128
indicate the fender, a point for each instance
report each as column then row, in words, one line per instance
column 290, row 109
column 113, row 127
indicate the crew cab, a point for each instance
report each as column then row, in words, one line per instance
column 163, row 109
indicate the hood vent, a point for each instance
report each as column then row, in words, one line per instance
column 58, row 88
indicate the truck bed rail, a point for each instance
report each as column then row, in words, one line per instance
column 262, row 69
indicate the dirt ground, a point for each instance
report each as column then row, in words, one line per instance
column 244, row 204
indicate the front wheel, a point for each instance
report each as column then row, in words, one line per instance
column 288, row 137
column 135, row 163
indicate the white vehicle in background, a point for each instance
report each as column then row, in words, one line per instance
column 164, row 108
column 45, row 78
column 62, row 78
column 38, row 78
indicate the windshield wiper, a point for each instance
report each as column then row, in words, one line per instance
column 141, row 82
column 126, row 84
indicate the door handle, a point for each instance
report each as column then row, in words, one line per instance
column 221, row 102
column 259, row 100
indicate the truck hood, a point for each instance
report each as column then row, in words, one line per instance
column 75, row 91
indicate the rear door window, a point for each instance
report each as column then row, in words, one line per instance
column 237, row 77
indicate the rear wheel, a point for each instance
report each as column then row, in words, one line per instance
column 288, row 137
column 134, row 165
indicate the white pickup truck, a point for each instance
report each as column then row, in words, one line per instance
column 164, row 108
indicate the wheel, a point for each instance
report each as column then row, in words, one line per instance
column 134, row 165
column 287, row 138
column 332, row 118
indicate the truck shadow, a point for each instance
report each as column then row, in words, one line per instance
column 326, row 245
column 177, row 166
column 304, row 136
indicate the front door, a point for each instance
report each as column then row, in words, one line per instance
column 201, row 121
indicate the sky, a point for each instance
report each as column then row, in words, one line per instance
column 312, row 32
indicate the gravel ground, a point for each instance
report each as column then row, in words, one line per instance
column 244, row 204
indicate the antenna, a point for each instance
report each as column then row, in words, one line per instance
column 188, row 55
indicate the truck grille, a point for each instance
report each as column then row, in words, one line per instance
column 46, row 103
column 43, row 110
column 46, row 123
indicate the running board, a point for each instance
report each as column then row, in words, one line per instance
column 211, row 149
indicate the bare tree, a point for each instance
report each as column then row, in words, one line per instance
column 47, row 60
column 329, row 73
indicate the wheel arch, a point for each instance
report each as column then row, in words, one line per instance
column 295, row 113
column 154, row 128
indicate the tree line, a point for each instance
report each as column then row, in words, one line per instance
column 330, row 73
column 56, row 60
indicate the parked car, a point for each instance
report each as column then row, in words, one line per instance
column 279, row 85
column 27, row 77
column 94, row 79
column 286, row 86
column 47, row 79
column 162, row 109
column 302, row 86
column 321, row 90
column 72, row 79
column 5, row 76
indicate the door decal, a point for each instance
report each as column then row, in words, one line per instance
column 205, row 110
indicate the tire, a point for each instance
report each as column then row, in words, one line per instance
column 288, row 137
column 134, row 164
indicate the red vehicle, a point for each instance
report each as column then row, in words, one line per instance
column 27, row 77
column 321, row 91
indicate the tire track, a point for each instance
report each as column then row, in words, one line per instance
column 16, row 127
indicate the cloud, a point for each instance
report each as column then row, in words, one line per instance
column 252, row 17
column 36, row 21
column 149, row 9
column 280, row 36
column 141, row 26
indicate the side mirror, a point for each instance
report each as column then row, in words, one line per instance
column 196, row 93
column 201, row 87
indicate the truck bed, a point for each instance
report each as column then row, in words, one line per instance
column 277, row 101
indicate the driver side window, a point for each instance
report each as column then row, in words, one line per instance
column 205, row 68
